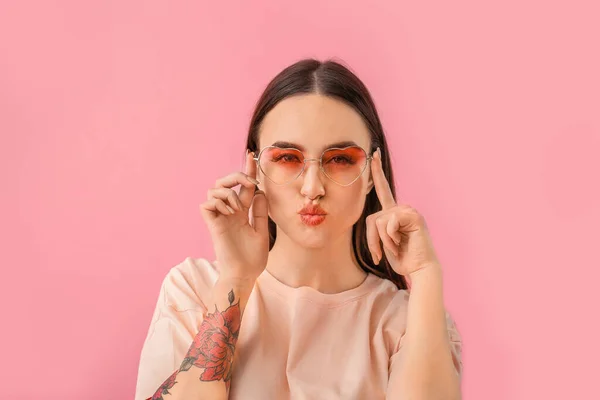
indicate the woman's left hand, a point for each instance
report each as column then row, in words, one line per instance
column 402, row 230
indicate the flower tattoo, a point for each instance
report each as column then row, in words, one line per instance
column 214, row 345
column 212, row 348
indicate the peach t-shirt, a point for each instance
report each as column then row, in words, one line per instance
column 294, row 343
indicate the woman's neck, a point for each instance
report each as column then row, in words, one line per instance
column 329, row 269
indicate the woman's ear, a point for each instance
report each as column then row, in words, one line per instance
column 371, row 185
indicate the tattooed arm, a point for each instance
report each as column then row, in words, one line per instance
column 206, row 369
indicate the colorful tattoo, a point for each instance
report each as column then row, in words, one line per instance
column 214, row 345
column 164, row 388
column 212, row 349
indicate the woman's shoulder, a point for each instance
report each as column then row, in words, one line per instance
column 388, row 294
column 392, row 304
column 394, row 300
column 387, row 311
column 188, row 283
column 387, row 304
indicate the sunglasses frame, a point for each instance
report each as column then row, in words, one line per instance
column 320, row 160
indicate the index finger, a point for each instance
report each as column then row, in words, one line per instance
column 382, row 187
column 247, row 193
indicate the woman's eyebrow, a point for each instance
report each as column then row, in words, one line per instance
column 287, row 145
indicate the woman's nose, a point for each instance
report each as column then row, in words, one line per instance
column 312, row 180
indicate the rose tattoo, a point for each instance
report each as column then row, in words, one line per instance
column 212, row 348
column 214, row 345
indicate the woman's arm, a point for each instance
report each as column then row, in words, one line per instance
column 430, row 371
column 206, row 369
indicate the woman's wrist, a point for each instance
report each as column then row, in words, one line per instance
column 237, row 280
column 430, row 271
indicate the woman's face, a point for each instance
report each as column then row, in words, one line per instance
column 314, row 123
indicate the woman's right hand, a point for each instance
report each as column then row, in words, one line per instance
column 238, row 224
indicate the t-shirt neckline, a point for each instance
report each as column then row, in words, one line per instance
column 267, row 280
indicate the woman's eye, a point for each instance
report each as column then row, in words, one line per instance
column 340, row 160
column 286, row 158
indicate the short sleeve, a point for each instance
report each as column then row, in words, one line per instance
column 177, row 316
column 397, row 361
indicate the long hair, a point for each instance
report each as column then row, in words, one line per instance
column 333, row 79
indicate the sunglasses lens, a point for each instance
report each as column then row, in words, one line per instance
column 344, row 166
column 281, row 165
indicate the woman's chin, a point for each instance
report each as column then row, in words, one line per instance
column 312, row 239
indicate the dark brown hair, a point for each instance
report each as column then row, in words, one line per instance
column 330, row 78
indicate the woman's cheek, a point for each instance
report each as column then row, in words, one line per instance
column 277, row 205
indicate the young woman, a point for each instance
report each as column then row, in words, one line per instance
column 324, row 285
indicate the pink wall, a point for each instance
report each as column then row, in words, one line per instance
column 116, row 117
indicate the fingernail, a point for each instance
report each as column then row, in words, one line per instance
column 259, row 192
column 375, row 259
column 379, row 153
column 251, row 179
column 230, row 209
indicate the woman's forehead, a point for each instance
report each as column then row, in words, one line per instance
column 313, row 122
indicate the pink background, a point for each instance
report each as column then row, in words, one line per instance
column 116, row 117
